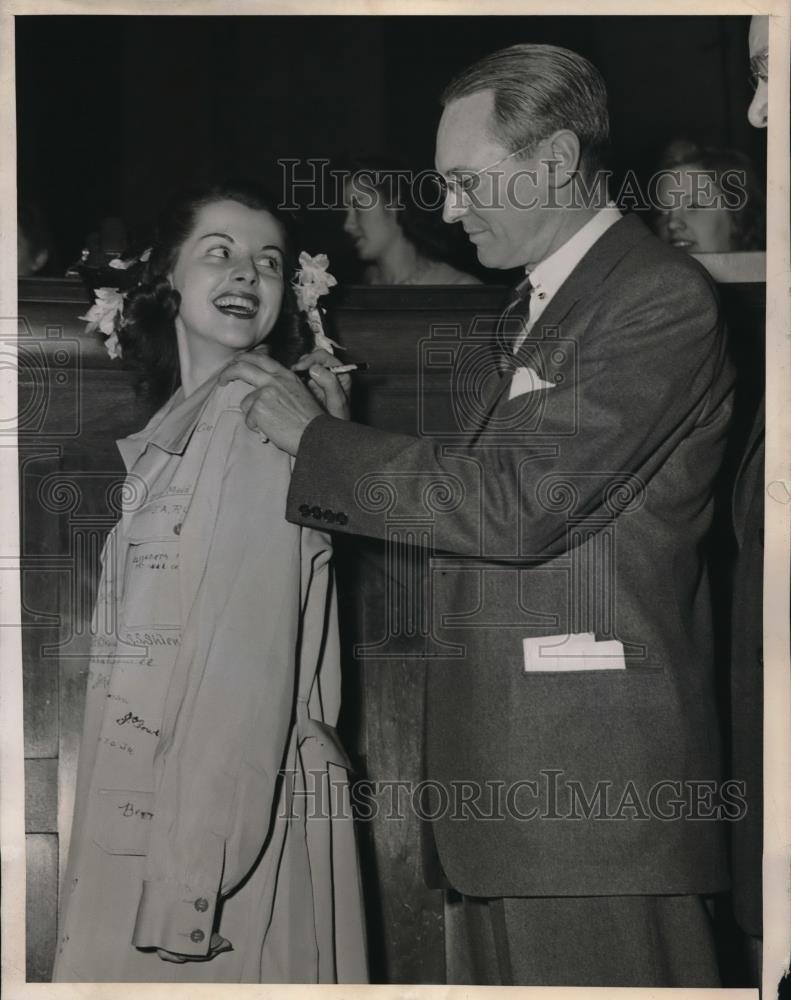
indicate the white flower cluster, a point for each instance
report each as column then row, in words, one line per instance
column 106, row 313
column 311, row 281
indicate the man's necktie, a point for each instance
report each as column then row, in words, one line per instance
column 521, row 294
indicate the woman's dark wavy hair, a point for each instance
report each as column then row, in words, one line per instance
column 748, row 223
column 421, row 223
column 148, row 333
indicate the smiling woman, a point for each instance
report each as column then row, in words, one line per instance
column 217, row 281
column 229, row 275
column 214, row 677
column 709, row 200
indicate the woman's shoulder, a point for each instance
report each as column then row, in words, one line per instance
column 438, row 272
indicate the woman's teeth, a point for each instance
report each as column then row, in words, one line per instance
column 237, row 305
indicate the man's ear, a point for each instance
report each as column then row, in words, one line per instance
column 563, row 156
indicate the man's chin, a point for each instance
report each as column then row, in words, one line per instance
column 488, row 256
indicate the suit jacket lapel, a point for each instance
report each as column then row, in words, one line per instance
column 589, row 273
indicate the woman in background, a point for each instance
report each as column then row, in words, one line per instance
column 400, row 241
column 711, row 200
column 205, row 845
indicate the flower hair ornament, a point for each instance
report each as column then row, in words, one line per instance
column 312, row 280
column 107, row 312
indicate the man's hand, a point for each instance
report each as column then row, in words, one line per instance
column 280, row 407
column 332, row 391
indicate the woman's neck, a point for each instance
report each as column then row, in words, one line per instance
column 198, row 364
column 399, row 264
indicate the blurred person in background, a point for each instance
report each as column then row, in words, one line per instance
column 34, row 245
column 758, row 42
column 399, row 240
column 710, row 200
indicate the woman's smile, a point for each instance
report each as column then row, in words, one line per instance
column 243, row 305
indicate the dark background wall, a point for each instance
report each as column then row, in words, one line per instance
column 113, row 112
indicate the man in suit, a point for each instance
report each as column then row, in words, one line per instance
column 579, row 714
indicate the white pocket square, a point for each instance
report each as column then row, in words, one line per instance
column 527, row 380
column 582, row 651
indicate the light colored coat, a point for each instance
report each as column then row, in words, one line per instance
column 223, row 805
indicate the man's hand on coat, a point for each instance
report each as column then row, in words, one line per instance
column 281, row 406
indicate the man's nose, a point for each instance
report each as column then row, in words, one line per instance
column 454, row 206
column 758, row 113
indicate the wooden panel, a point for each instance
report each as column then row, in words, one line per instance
column 40, row 671
column 42, row 905
column 41, row 796
column 406, row 915
column 40, row 545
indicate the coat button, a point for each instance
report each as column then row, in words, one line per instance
column 197, row 936
column 201, row 905
column 177, row 530
column 341, row 518
column 304, row 509
column 329, row 516
column 316, row 512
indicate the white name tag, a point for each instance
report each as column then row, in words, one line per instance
column 555, row 653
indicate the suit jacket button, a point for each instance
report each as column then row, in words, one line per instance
column 304, row 509
column 201, row 905
column 316, row 512
column 177, row 529
column 329, row 516
column 341, row 518
column 197, row 936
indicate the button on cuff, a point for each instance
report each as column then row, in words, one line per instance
column 175, row 918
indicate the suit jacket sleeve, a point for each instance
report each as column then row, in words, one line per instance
column 650, row 369
column 228, row 711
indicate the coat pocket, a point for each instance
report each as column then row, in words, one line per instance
column 575, row 652
column 124, row 820
column 150, row 597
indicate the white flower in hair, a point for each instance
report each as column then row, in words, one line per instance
column 112, row 346
column 102, row 315
column 311, row 281
column 107, row 312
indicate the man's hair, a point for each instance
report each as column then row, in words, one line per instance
column 539, row 89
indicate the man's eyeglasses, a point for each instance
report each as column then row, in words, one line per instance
column 759, row 69
column 466, row 183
